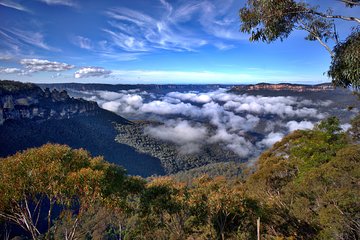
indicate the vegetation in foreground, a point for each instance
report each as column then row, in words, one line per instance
column 305, row 187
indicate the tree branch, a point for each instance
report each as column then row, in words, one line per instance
column 350, row 2
column 51, row 202
column 335, row 16
column 71, row 235
column 316, row 36
column 325, row 46
column 38, row 209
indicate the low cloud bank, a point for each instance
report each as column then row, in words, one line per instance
column 189, row 137
column 294, row 125
column 271, row 139
column 241, row 123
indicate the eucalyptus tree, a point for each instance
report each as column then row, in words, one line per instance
column 35, row 182
column 268, row 21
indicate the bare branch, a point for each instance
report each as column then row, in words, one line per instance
column 325, row 45
column 71, row 234
column 335, row 16
column 38, row 209
column 317, row 37
column 336, row 36
column 52, row 203
column 350, row 2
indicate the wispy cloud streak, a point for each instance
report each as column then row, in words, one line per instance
column 68, row 3
column 133, row 30
column 14, row 5
column 22, row 38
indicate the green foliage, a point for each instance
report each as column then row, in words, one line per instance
column 330, row 195
column 54, row 175
column 268, row 21
column 7, row 86
column 171, row 158
column 305, row 187
column 354, row 131
column 229, row 170
column 271, row 20
column 330, row 126
column 345, row 65
column 309, row 180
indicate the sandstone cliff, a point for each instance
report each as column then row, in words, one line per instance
column 285, row 87
column 28, row 101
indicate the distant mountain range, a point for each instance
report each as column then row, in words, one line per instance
column 189, row 87
column 144, row 87
column 285, row 87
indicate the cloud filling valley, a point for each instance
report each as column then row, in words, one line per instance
column 241, row 123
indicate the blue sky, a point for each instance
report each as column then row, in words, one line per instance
column 149, row 41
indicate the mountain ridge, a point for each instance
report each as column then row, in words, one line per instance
column 31, row 117
column 28, row 101
column 285, row 87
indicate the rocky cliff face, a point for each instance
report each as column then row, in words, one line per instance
column 285, row 87
column 28, row 101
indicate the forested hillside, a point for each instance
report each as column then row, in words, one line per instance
column 305, row 187
column 171, row 158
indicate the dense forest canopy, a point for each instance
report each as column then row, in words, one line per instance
column 271, row 20
column 305, row 187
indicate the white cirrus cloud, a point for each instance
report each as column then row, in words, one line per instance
column 68, row 3
column 82, row 42
column 166, row 28
column 15, row 39
column 14, row 5
column 87, row 72
column 41, row 65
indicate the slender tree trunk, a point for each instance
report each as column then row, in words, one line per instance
column 49, row 213
column 120, row 231
column 71, row 234
column 258, row 228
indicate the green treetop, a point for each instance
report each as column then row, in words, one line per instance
column 271, row 20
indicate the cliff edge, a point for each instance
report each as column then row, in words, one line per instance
column 28, row 101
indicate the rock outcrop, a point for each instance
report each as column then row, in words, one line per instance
column 28, row 101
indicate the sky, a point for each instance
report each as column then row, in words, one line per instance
column 150, row 42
